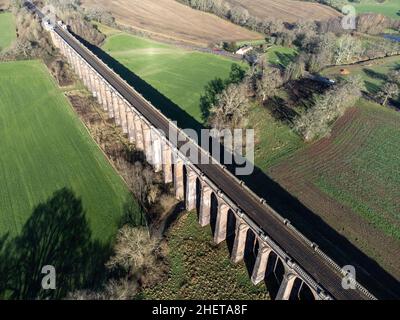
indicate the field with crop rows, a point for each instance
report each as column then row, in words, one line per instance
column 351, row 180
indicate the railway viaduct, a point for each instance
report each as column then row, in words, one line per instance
column 221, row 199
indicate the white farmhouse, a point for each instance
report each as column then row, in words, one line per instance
column 242, row 51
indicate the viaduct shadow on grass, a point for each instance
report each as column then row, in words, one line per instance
column 339, row 248
column 133, row 214
column 280, row 111
column 396, row 104
column 161, row 102
column 56, row 234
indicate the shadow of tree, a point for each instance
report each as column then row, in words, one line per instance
column 284, row 59
column 375, row 75
column 372, row 88
column 56, row 234
column 301, row 93
column 280, row 110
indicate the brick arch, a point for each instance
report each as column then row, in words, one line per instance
column 301, row 291
column 274, row 273
column 199, row 189
column 231, row 230
column 250, row 250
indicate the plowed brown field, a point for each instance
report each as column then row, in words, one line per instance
column 172, row 20
column 4, row 4
column 287, row 10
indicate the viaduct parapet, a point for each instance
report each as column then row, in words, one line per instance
column 220, row 198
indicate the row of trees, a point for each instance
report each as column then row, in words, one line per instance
column 227, row 102
column 371, row 23
column 326, row 42
column 137, row 259
column 100, row 15
column 263, row 82
column 328, row 49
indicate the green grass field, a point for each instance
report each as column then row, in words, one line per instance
column 274, row 139
column 178, row 74
column 7, row 30
column 390, row 8
column 45, row 148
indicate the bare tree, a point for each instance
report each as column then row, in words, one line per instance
column 100, row 15
column 239, row 15
column 142, row 181
column 347, row 48
column 394, row 76
column 268, row 83
column 388, row 91
column 316, row 121
column 133, row 249
column 295, row 70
